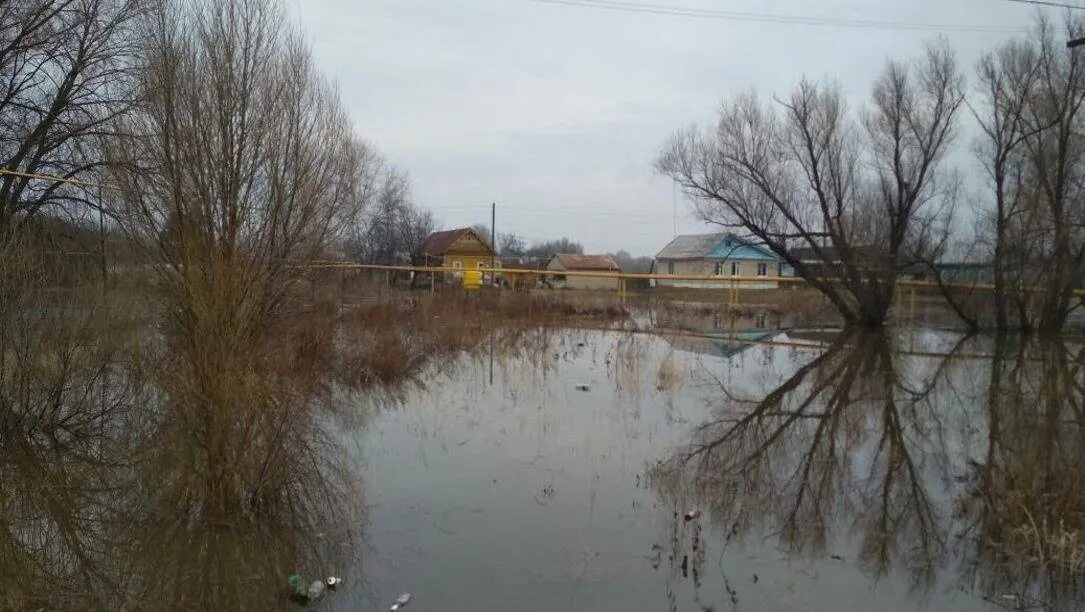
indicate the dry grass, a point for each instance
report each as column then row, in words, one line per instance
column 389, row 342
column 1045, row 533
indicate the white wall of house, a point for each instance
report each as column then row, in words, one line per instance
column 722, row 270
column 598, row 283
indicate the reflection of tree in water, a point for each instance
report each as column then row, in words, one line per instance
column 199, row 484
column 850, row 444
column 845, row 442
column 235, row 492
column 1023, row 515
column 54, row 415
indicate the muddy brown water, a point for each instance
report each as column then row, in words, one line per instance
column 752, row 469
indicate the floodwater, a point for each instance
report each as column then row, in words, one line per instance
column 682, row 469
column 914, row 471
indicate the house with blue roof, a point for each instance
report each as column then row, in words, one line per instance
column 715, row 259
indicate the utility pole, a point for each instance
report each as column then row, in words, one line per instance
column 101, row 239
column 674, row 207
column 493, row 241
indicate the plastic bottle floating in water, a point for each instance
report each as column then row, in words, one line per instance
column 401, row 601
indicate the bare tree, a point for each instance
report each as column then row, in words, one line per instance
column 864, row 196
column 550, row 247
column 1007, row 76
column 1029, row 107
column 393, row 228
column 511, row 245
column 1053, row 185
column 65, row 75
column 240, row 160
column 240, row 163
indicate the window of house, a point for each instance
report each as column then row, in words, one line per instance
column 719, row 268
column 762, row 269
column 736, row 268
column 457, row 264
column 779, row 269
column 481, row 265
column 670, row 267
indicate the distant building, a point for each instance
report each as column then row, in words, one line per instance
column 718, row 256
column 965, row 272
column 462, row 249
column 828, row 264
column 583, row 263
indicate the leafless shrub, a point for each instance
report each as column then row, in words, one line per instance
column 238, row 163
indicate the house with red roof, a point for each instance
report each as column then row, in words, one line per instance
column 583, row 263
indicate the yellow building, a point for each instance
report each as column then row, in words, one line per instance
column 462, row 249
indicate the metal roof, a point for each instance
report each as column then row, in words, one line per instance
column 733, row 247
column 722, row 245
column 690, row 246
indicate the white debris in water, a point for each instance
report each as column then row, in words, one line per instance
column 401, row 601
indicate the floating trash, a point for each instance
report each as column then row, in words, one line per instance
column 692, row 514
column 316, row 590
column 583, row 387
column 298, row 590
column 333, row 582
column 401, row 601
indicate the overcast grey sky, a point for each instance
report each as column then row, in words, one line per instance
column 556, row 112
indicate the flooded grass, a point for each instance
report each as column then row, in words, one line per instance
column 388, row 343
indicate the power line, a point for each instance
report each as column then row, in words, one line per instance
column 559, row 211
column 1053, row 4
column 57, row 179
column 663, row 9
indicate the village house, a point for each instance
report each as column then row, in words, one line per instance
column 462, row 249
column 719, row 256
column 583, row 263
